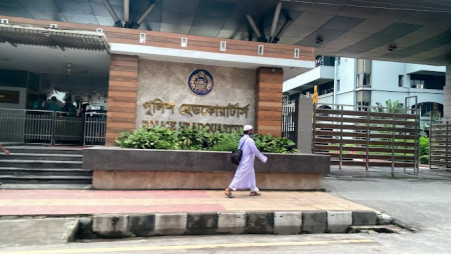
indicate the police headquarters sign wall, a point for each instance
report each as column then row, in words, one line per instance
column 177, row 95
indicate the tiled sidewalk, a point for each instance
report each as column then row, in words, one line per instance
column 78, row 202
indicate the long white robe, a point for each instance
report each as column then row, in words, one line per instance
column 245, row 174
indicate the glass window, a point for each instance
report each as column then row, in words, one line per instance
column 363, row 100
column 363, row 79
column 417, row 84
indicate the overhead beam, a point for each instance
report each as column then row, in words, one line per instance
column 260, row 37
column 143, row 16
column 127, row 12
column 275, row 20
column 117, row 20
column 282, row 30
column 253, row 25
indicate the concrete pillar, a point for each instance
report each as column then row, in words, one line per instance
column 122, row 96
column 304, row 125
column 447, row 95
column 268, row 104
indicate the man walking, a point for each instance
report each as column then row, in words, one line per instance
column 245, row 174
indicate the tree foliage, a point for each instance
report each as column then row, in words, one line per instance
column 390, row 107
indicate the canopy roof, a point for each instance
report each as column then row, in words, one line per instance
column 413, row 31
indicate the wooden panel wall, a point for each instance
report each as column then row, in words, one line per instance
column 122, row 94
column 268, row 104
column 171, row 40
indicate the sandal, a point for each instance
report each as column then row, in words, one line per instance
column 228, row 193
column 254, row 193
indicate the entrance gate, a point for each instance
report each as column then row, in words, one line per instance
column 367, row 138
column 289, row 119
column 49, row 127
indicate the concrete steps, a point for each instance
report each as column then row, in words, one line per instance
column 45, row 150
column 44, row 171
column 39, row 163
column 43, row 165
column 35, row 179
column 45, row 157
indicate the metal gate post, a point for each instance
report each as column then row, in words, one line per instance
column 430, row 141
column 341, row 140
column 417, row 143
column 52, row 141
column 295, row 121
column 446, row 146
column 85, row 128
column 367, row 153
column 314, row 128
column 393, row 146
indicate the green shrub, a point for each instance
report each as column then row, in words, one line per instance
column 424, row 159
column 270, row 144
column 150, row 138
column 192, row 139
column 267, row 143
column 424, row 146
column 229, row 143
column 195, row 139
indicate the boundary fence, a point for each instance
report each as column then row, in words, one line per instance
column 375, row 137
column 439, row 145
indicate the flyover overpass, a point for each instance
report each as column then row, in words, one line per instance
column 413, row 31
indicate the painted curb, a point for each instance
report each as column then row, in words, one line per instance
column 231, row 222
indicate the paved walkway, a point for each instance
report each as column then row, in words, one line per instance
column 78, row 202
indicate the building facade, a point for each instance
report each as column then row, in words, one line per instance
column 365, row 83
column 149, row 78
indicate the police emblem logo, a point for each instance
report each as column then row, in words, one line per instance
column 200, row 82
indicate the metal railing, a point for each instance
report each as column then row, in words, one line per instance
column 94, row 129
column 51, row 127
column 289, row 117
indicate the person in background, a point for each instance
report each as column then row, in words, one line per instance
column 36, row 102
column 68, row 107
column 245, row 174
column 4, row 150
column 53, row 105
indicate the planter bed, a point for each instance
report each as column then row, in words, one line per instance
column 119, row 168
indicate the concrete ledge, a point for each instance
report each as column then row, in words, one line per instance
column 133, row 180
column 115, row 158
column 287, row 223
column 202, row 223
column 259, row 222
column 170, row 223
column 338, row 221
column 234, row 222
column 142, row 224
column 360, row 218
column 383, row 219
column 85, row 229
column 117, row 168
column 314, row 222
column 111, row 225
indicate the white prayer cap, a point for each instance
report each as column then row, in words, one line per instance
column 247, row 127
